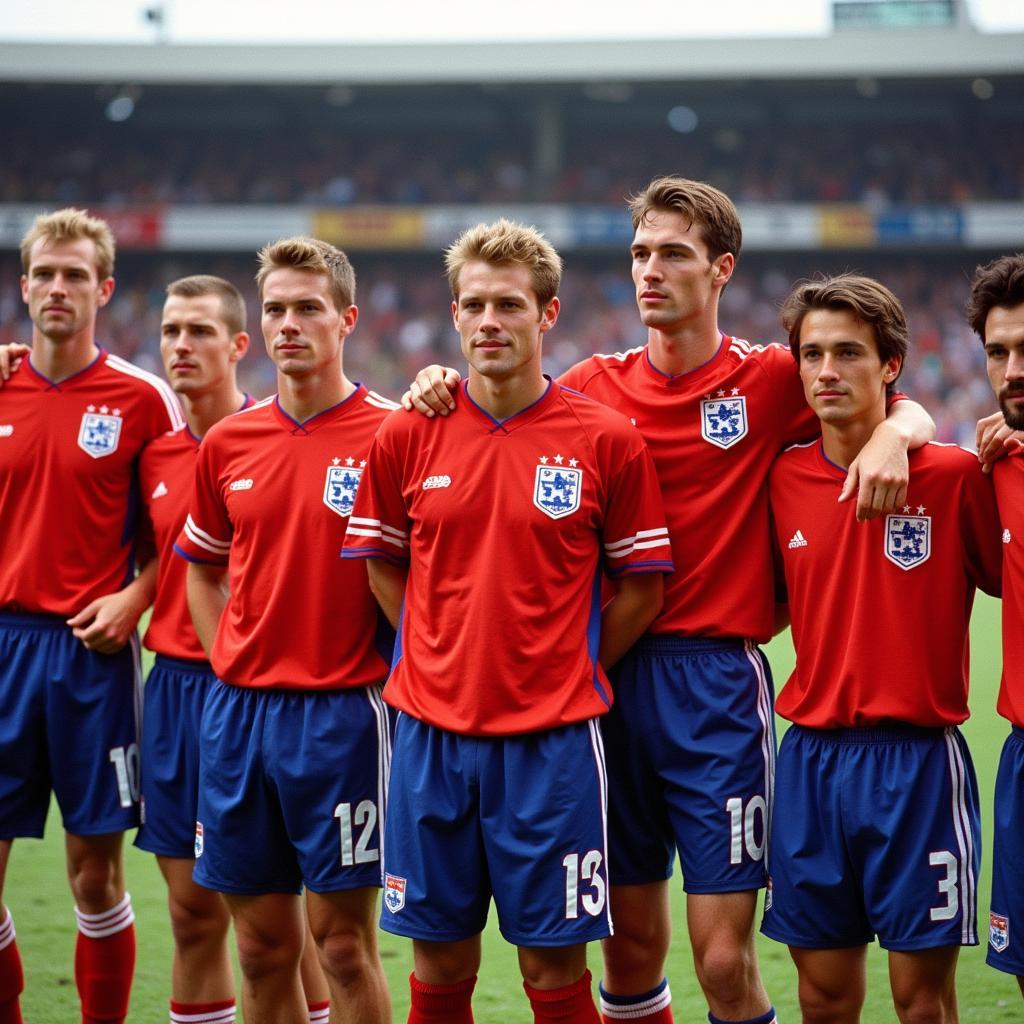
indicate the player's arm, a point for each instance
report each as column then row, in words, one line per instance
column 207, row 595
column 636, row 604
column 433, row 391
column 387, row 584
column 880, row 474
column 106, row 624
column 994, row 439
column 10, row 359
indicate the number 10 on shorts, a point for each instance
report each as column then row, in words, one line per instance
column 745, row 825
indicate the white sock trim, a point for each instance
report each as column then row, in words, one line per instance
column 108, row 922
column 225, row 1016
column 633, row 1011
column 7, row 932
column 320, row 1016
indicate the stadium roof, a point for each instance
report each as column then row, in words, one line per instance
column 891, row 53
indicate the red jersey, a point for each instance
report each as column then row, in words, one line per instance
column 713, row 433
column 505, row 528
column 68, row 486
column 167, row 480
column 881, row 609
column 272, row 500
column 1008, row 475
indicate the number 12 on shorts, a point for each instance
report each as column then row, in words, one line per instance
column 585, row 871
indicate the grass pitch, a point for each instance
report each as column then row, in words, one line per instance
column 39, row 899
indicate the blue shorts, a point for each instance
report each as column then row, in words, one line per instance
column 691, row 760
column 520, row 818
column 875, row 831
column 172, row 709
column 291, row 789
column 69, row 720
column 1006, row 918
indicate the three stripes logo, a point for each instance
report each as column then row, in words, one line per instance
column 798, row 540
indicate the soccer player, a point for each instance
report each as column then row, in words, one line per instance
column 690, row 739
column 996, row 312
column 73, row 420
column 487, row 533
column 876, row 828
column 294, row 744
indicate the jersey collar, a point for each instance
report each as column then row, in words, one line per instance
column 314, row 423
column 519, row 419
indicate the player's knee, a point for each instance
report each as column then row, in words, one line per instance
column 640, row 940
column 95, row 883
column 922, row 1007
column 824, row 1004
column 261, row 955
column 347, row 955
column 198, row 920
column 726, row 970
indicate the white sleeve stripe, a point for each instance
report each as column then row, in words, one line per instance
column 372, row 398
column 199, row 542
column 203, row 539
column 163, row 389
column 376, row 535
column 640, row 546
column 377, row 525
column 660, row 532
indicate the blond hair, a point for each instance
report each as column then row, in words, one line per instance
column 314, row 255
column 68, row 225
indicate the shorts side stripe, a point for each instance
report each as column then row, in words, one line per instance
column 597, row 743
column 964, row 838
column 765, row 713
column 380, row 712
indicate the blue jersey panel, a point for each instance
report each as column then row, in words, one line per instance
column 691, row 755
column 875, row 832
column 291, row 789
column 172, row 709
column 519, row 818
column 1006, row 915
column 69, row 719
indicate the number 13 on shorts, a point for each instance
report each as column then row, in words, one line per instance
column 584, row 884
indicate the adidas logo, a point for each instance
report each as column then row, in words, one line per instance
column 1006, row 536
column 241, row 485
column 798, row 540
column 160, row 490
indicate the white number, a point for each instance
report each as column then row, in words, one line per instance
column 744, row 828
column 590, row 873
column 947, row 886
column 126, row 767
column 366, row 815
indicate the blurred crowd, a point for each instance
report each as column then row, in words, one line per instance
column 874, row 165
column 405, row 323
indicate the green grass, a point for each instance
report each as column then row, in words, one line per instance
column 38, row 896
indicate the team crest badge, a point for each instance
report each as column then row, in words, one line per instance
column 99, row 433
column 723, row 421
column 199, row 839
column 908, row 540
column 998, row 932
column 556, row 490
column 340, row 488
column 394, row 893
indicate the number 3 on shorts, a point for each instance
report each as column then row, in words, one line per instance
column 587, row 871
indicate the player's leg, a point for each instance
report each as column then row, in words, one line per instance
column 12, row 977
column 442, row 981
column 201, row 963
column 721, row 927
column 270, row 930
column 314, row 984
column 105, row 947
column 558, row 984
column 344, row 927
column 924, row 985
column 832, row 984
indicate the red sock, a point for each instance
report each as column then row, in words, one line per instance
column 12, row 980
column 221, row 1012
column 572, row 1004
column 104, row 962
column 441, row 1004
column 319, row 1012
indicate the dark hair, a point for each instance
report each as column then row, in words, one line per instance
column 870, row 302
column 999, row 283
column 232, row 305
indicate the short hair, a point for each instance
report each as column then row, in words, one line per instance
column 702, row 204
column 507, row 242
column 232, row 305
column 868, row 300
column 999, row 283
column 69, row 225
column 314, row 255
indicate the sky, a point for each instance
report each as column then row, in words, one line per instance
column 383, row 21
